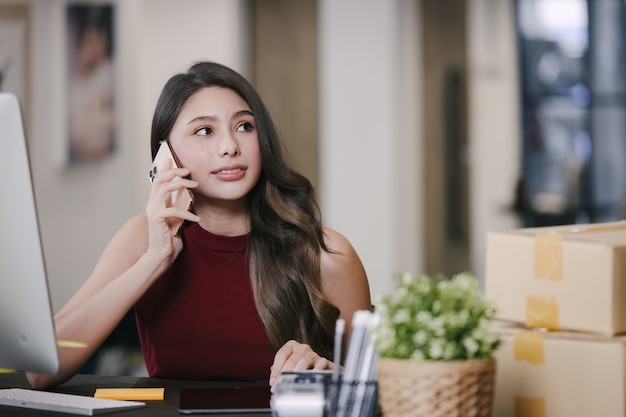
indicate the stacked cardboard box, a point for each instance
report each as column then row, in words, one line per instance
column 570, row 282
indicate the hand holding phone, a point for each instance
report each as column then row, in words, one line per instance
column 182, row 199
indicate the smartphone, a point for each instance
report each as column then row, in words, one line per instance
column 182, row 199
column 225, row 400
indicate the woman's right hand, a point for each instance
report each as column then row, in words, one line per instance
column 136, row 256
column 159, row 210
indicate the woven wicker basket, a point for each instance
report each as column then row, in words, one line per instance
column 436, row 388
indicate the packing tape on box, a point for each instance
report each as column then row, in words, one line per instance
column 549, row 256
column 528, row 346
column 542, row 312
column 530, row 407
column 549, row 248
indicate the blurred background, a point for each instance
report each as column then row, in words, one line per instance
column 423, row 123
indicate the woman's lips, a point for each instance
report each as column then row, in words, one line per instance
column 230, row 173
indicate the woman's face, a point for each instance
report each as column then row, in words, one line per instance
column 215, row 137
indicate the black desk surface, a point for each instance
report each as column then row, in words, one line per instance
column 87, row 385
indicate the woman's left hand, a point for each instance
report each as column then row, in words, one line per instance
column 294, row 356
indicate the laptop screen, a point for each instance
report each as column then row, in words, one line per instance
column 27, row 340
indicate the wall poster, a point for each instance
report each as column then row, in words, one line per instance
column 91, row 113
column 14, row 51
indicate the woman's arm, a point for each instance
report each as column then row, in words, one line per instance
column 136, row 256
column 345, row 285
column 117, row 281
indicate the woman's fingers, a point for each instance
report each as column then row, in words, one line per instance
column 294, row 356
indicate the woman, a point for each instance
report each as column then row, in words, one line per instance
column 255, row 283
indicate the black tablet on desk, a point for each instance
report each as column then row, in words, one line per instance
column 225, row 400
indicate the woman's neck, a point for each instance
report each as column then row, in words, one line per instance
column 223, row 221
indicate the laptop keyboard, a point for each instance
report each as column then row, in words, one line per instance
column 64, row 403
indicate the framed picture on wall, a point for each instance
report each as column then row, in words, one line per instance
column 14, row 51
column 91, row 113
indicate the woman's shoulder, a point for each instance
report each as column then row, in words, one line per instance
column 335, row 241
column 343, row 277
column 341, row 255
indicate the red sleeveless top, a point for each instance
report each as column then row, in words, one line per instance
column 199, row 320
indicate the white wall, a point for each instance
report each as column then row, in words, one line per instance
column 81, row 207
column 371, row 128
column 494, row 122
column 370, row 134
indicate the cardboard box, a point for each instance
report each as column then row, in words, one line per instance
column 559, row 374
column 565, row 277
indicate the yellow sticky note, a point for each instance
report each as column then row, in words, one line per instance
column 71, row 344
column 130, row 393
column 7, row 371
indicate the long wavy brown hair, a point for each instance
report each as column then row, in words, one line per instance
column 286, row 237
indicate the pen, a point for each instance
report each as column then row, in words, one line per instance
column 363, row 396
column 339, row 328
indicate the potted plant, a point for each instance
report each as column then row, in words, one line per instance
column 436, row 337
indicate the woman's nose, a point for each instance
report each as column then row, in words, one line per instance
column 228, row 146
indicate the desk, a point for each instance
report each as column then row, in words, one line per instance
column 87, row 384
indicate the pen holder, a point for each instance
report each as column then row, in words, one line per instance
column 352, row 399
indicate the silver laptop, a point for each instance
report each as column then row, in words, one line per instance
column 27, row 339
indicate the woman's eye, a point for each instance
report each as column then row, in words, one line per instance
column 204, row 131
column 245, row 127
